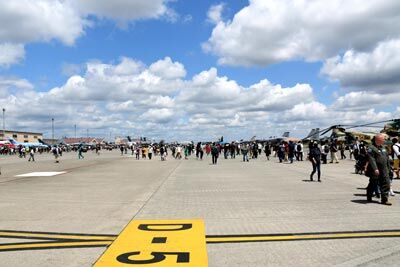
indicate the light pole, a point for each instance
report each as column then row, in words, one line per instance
column 87, row 133
column 52, row 130
column 75, row 130
column 4, row 124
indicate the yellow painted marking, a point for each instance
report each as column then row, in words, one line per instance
column 234, row 239
column 52, row 245
column 55, row 236
column 99, row 240
column 158, row 243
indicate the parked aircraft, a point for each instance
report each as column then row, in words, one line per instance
column 343, row 133
column 285, row 137
column 7, row 144
column 28, row 144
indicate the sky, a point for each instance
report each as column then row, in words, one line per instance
column 197, row 70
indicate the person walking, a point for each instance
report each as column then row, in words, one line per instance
column 80, row 150
column 214, row 154
column 342, row 149
column 267, row 150
column 291, row 151
column 150, row 152
column 32, row 154
column 281, row 152
column 315, row 158
column 56, row 154
column 378, row 169
column 334, row 150
column 245, row 151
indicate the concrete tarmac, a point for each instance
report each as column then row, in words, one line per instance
column 102, row 194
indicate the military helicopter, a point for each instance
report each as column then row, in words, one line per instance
column 392, row 129
column 342, row 134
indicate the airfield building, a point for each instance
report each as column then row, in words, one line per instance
column 22, row 137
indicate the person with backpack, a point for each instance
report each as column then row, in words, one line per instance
column 299, row 151
column 214, row 154
column 281, row 152
column 324, row 153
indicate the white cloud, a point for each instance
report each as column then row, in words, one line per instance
column 162, row 115
column 270, row 31
column 127, row 97
column 363, row 100
column 207, row 87
column 167, row 69
column 13, row 85
column 123, row 9
column 376, row 71
column 11, row 54
column 214, row 14
column 27, row 21
column 312, row 111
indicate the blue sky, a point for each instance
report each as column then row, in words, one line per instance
column 319, row 71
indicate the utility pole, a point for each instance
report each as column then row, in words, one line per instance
column 52, row 130
column 4, row 124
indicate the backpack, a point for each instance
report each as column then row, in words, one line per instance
column 326, row 149
column 298, row 148
column 214, row 150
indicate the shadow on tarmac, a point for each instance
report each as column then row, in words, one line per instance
column 360, row 195
column 363, row 201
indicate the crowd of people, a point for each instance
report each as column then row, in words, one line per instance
column 378, row 160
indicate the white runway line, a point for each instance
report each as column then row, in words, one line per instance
column 40, row 174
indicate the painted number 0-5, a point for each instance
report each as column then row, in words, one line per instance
column 182, row 257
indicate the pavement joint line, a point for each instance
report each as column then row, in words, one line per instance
column 68, row 240
column 147, row 201
column 156, row 191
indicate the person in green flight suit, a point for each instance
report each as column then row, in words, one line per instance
column 378, row 169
